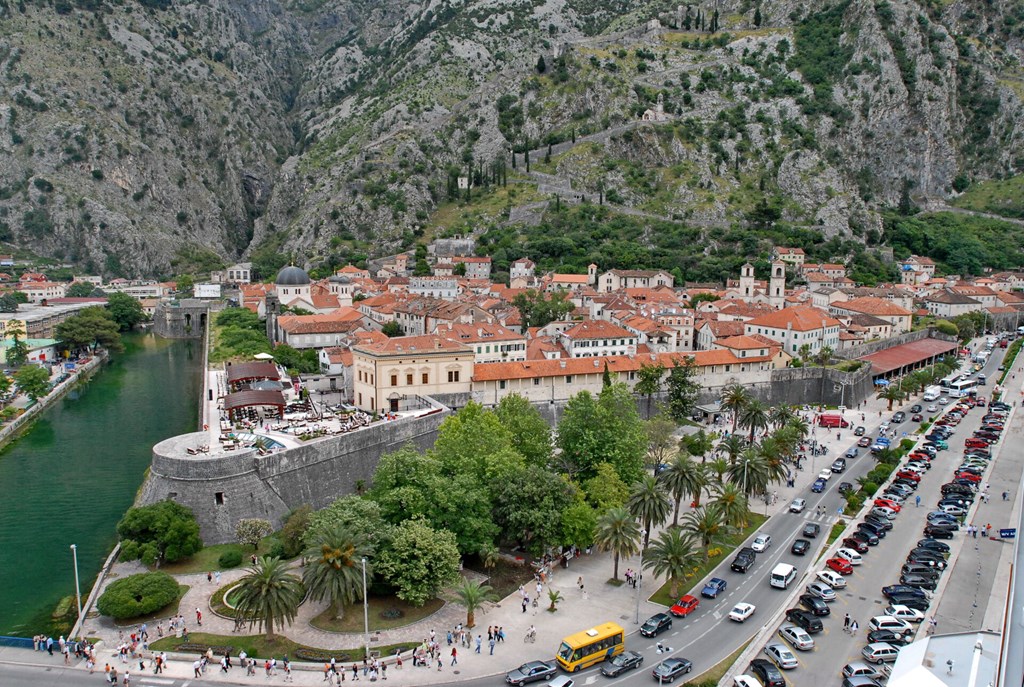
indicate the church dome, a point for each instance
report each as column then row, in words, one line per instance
column 292, row 276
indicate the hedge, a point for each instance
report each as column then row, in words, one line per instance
column 138, row 595
column 230, row 558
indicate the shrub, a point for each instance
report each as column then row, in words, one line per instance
column 869, row 488
column 138, row 595
column 319, row 656
column 230, row 558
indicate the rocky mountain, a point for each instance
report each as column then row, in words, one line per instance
column 156, row 136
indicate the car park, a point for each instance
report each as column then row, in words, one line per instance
column 761, row 542
column 797, row 637
column 822, row 591
column 940, row 547
column 839, row 565
column 954, row 510
column 879, row 521
column 656, row 624
column 883, row 512
column 814, row 604
column 767, row 673
column 626, row 661
column 811, row 530
column 882, row 502
column 918, row 568
column 831, row 578
column 671, row 668
column 741, row 611
column 939, row 531
column 893, row 589
column 714, row 587
column 921, row 603
column 532, row 671
column 800, row 547
column 859, row 669
column 745, row 681
column 850, row 555
column 889, row 637
column 856, row 545
column 804, row 619
column 797, row 505
column 745, row 558
column 871, row 528
column 685, row 606
column 781, row 656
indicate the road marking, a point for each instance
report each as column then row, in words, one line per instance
column 156, row 681
column 590, row 680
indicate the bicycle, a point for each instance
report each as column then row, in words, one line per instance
column 530, row 637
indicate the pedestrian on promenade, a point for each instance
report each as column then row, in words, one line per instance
column 501, row 634
column 199, row 617
column 846, row 623
column 853, row 627
column 209, row 576
column 455, row 656
column 1005, row 495
column 917, row 501
column 491, row 644
column 480, row 639
column 526, row 602
column 216, row 577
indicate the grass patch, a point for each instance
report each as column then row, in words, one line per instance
column 728, row 546
column 1003, row 197
column 208, row 558
column 258, row 646
column 385, row 613
column 837, row 530
column 712, row 677
column 167, row 611
column 1011, row 355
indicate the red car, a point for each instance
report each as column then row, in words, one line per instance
column 975, row 442
column 908, row 474
column 685, row 606
column 920, row 455
column 840, row 565
column 968, row 476
column 886, row 503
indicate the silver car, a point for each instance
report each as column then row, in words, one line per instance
column 781, row 655
column 797, row 637
column 822, row 591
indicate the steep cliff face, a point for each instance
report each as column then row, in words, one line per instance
column 145, row 138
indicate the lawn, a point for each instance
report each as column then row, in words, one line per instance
column 208, row 558
column 259, row 646
column 729, row 545
column 385, row 613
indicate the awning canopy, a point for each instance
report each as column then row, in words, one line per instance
column 251, row 398
column 247, row 372
column 909, row 354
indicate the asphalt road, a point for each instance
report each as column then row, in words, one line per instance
column 862, row 598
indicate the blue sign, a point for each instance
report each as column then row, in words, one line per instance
column 1008, row 533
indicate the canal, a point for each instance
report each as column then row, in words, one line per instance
column 71, row 477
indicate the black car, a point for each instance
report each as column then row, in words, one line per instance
column 923, row 569
column 956, row 500
column 839, row 465
column 814, row 604
column 671, row 668
column 919, row 581
column 627, row 660
column 899, row 417
column 800, row 547
column 871, row 528
column 933, row 559
column 656, row 624
column 745, row 558
column 916, row 408
column 938, row 532
column 866, row 536
column 889, row 637
column 918, row 603
column 858, row 545
column 933, row 545
column 804, row 619
column 532, row 671
column 811, row 530
column 954, row 488
column 877, row 521
column 845, row 487
column 890, row 590
column 766, row 672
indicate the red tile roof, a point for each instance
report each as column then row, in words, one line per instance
column 907, row 354
column 413, row 345
column 597, row 329
column 801, row 318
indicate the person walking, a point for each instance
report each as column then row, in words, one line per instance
column 1006, row 495
column 853, row 627
column 491, row 644
column 455, row 656
column 846, row 623
column 480, row 639
column 917, row 501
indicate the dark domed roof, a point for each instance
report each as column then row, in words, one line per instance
column 292, row 276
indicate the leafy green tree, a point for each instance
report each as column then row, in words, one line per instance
column 946, row 327
column 735, row 398
column 79, row 289
column 473, row 594
column 528, row 507
column 708, row 527
column 8, row 303
column 579, row 523
column 268, row 595
column 537, row 309
column 649, row 383
column 125, row 311
column 88, row 329
column 697, row 444
column 335, row 571
column 606, row 489
column 17, row 352
column 672, row 556
column 683, row 477
column 250, row 531
column 541, row 67
column 242, row 318
column 169, row 528
column 473, row 440
column 294, row 530
column 33, row 381
column 617, row 532
column 392, row 329
column 184, row 285
column 661, row 439
column 626, row 440
column 683, row 390
column 419, row 561
column 531, row 434
column 459, row 270
column 138, row 595
column 649, row 504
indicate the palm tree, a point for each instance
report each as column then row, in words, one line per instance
column 732, row 446
column 334, row 573
column 717, row 467
column 617, row 532
column 707, row 525
column 754, row 416
column 750, row 472
column 734, row 398
column 824, row 355
column 672, row 555
column 649, row 504
column 554, row 596
column 731, row 502
column 268, row 595
column 800, row 427
column 787, row 439
column 890, row 393
column 682, row 477
column 473, row 595
column 780, row 415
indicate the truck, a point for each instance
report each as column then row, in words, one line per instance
column 932, row 393
column 832, row 420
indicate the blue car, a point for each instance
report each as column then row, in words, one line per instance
column 818, row 486
column 712, row 589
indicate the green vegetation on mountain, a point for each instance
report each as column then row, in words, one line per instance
column 962, row 244
column 996, row 196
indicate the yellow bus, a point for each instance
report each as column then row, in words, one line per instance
column 586, row 648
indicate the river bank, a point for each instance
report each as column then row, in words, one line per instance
column 77, row 467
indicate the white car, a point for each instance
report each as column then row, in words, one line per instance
column 761, row 543
column 742, row 611
column 797, row 636
column 887, row 622
column 884, row 427
column 911, row 615
column 825, row 474
column 832, row 579
column 745, row 681
column 932, row 408
column 780, row 654
column 850, row 555
column 822, row 591
column 797, row 505
column 943, row 401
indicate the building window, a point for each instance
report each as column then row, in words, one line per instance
column 728, row 367
column 218, row 498
column 394, row 380
column 408, row 379
column 424, row 378
column 568, row 379
column 453, row 376
column 501, row 384
column 536, row 381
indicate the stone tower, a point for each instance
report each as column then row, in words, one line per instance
column 777, row 285
column 747, row 281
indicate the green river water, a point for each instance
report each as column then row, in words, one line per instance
column 70, row 478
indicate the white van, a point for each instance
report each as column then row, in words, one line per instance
column 782, row 576
column 932, row 393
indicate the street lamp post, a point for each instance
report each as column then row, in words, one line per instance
column 78, row 592
column 366, row 611
column 636, row 619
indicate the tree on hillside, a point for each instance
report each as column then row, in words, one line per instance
column 80, row 289
column 164, row 531
column 335, row 572
column 125, row 311
column 184, row 285
column 89, row 329
column 268, row 595
column 33, row 381
column 617, row 532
